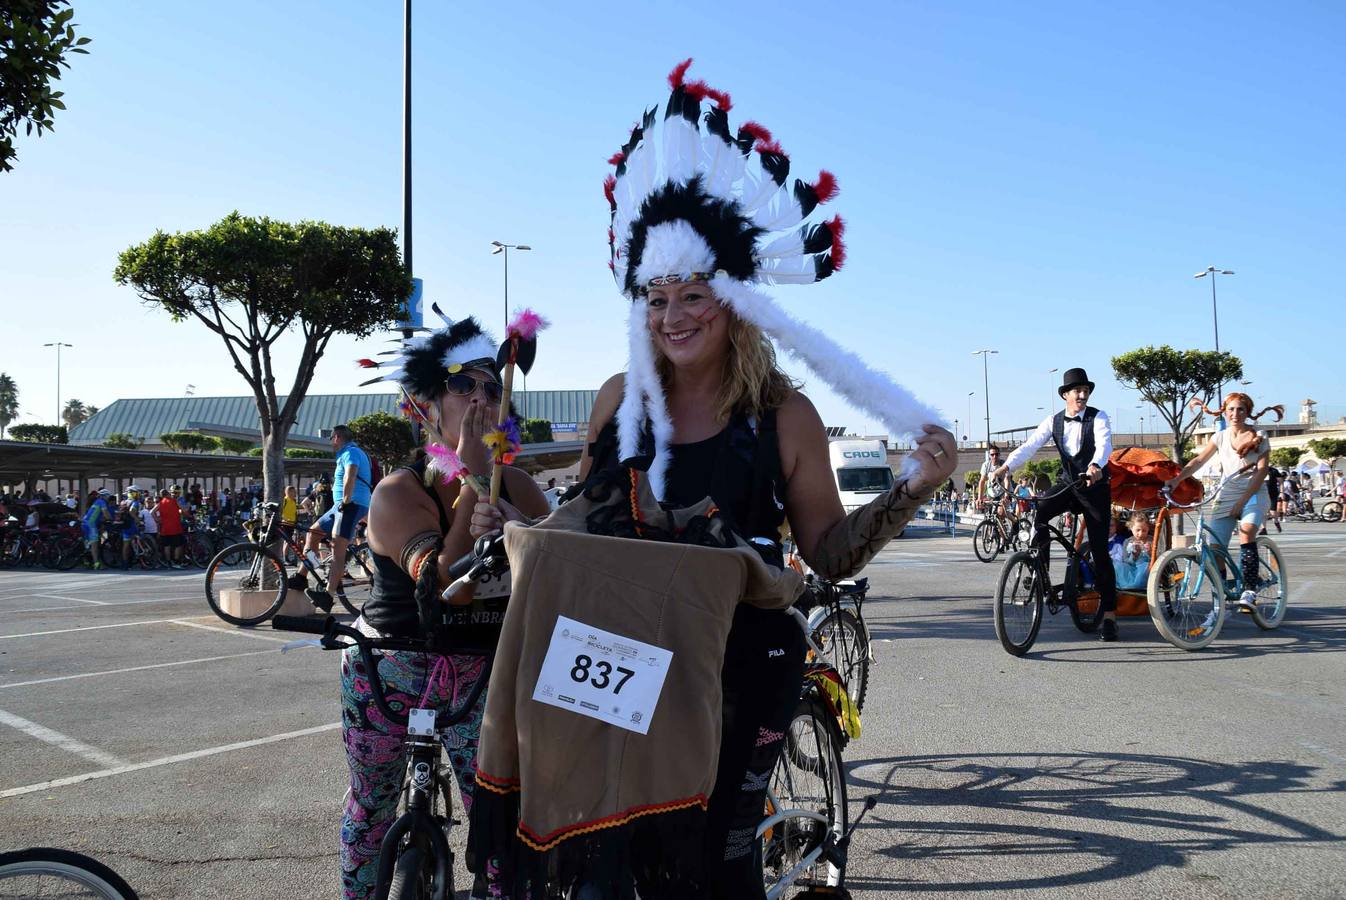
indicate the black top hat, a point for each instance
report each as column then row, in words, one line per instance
column 1074, row 378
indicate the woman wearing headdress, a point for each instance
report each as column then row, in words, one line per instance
column 704, row 409
column 1243, row 504
column 449, row 383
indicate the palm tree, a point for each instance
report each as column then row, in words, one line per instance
column 9, row 402
column 74, row 413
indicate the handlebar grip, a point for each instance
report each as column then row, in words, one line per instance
column 302, row 624
column 462, row 565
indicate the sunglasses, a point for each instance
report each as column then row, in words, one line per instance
column 461, row 385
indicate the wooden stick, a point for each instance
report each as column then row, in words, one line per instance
column 497, row 471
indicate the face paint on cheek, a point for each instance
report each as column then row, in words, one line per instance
column 710, row 315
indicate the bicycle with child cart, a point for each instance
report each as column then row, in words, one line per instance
column 257, row 566
column 1190, row 588
column 1026, row 586
column 805, row 833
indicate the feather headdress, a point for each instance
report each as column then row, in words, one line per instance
column 716, row 205
column 423, row 361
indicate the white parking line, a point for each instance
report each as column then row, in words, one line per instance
column 234, row 632
column 5, row 637
column 72, row 599
column 164, row 665
column 56, row 739
column 9, row 612
column 167, row 760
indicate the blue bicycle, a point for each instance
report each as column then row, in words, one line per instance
column 1191, row 588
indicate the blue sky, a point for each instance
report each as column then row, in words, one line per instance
column 1042, row 179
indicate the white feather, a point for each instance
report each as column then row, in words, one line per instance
column 723, row 165
column 674, row 248
column 631, row 414
column 758, row 189
column 799, row 270
column 865, row 388
column 474, row 348
column 791, row 244
column 782, row 212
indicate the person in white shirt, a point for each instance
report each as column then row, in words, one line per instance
column 996, row 486
column 1083, row 438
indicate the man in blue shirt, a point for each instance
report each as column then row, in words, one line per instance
column 352, row 486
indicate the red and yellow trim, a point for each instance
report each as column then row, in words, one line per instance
column 625, row 817
column 496, row 784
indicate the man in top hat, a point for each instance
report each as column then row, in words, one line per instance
column 1083, row 438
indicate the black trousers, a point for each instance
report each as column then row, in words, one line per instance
column 763, row 671
column 1095, row 504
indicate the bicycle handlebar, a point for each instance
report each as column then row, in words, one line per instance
column 487, row 557
column 1202, row 501
column 331, row 630
column 1082, row 481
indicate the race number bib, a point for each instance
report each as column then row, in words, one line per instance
column 602, row 675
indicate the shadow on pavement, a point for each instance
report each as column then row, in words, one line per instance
column 1093, row 789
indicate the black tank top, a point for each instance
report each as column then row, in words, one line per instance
column 739, row 469
column 392, row 609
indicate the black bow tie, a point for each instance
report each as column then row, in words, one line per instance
column 1074, row 418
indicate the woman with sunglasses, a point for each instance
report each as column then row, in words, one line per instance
column 419, row 523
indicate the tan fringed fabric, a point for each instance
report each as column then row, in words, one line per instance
column 574, row 776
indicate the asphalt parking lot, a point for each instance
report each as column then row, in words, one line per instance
column 199, row 761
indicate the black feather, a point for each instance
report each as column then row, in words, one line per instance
column 806, row 197
column 717, row 123
column 423, row 369
column 817, row 238
column 731, row 237
column 777, row 165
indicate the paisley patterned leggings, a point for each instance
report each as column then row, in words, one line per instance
column 374, row 750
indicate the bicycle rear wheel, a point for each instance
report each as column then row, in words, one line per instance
column 844, row 640
column 806, row 802
column 256, row 577
column 359, row 578
column 1273, row 589
column 1332, row 511
column 47, row 872
column 1018, row 604
column 986, row 541
column 1186, row 598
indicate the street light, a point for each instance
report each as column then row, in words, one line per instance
column 1141, row 407
column 1053, row 372
column 58, row 345
column 505, row 248
column 1212, row 271
column 986, row 384
column 970, row 395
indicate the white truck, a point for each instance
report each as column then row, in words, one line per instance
column 861, row 470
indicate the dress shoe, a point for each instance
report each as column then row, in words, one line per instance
column 1107, row 632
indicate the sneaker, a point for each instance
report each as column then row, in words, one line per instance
column 1247, row 601
column 320, row 598
column 1206, row 625
column 1107, row 632
column 1277, row 523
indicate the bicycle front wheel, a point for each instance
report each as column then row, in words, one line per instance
column 986, row 541
column 806, row 802
column 1186, row 598
column 1332, row 511
column 1018, row 603
column 409, row 876
column 245, row 584
column 47, row 872
column 844, row 640
column 1273, row 587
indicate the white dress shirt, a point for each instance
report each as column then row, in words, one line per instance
column 1071, row 437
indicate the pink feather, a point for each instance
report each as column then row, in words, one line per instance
column 446, row 460
column 526, row 325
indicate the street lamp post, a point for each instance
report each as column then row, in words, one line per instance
column 505, row 248
column 1053, row 372
column 1141, row 407
column 970, row 395
column 58, row 345
column 986, row 385
column 1212, row 271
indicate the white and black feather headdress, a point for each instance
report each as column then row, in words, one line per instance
column 422, row 362
column 716, row 205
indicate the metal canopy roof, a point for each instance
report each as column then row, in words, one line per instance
column 20, row 461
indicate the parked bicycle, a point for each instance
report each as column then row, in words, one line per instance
column 258, row 567
column 836, row 624
column 1026, row 586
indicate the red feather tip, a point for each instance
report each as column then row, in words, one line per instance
column 838, row 228
column 770, row 147
column 616, row 158
column 679, row 71
column 721, row 98
column 612, row 266
column 759, row 132
column 609, row 184
column 826, row 186
column 367, row 364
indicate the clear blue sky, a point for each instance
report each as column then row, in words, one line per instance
column 1043, row 179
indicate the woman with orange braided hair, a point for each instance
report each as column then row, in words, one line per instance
column 1241, row 448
